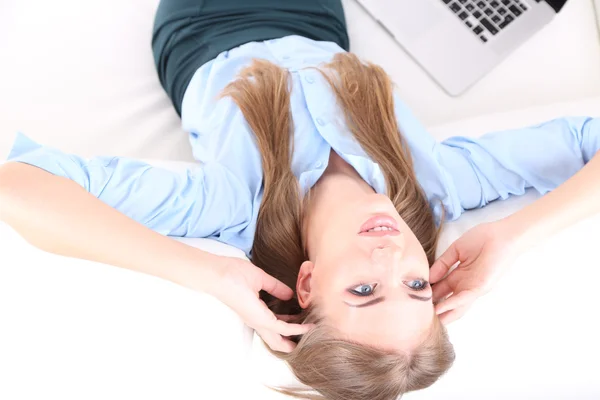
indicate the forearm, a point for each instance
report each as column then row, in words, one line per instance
column 574, row 200
column 59, row 216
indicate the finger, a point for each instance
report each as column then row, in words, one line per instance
column 285, row 317
column 440, row 290
column 451, row 316
column 285, row 329
column 442, row 265
column 276, row 342
column 268, row 319
column 455, row 301
column 276, row 288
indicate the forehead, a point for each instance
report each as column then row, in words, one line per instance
column 390, row 324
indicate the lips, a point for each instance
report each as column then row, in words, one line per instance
column 380, row 225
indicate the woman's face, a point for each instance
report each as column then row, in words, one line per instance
column 367, row 272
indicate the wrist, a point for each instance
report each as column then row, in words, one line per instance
column 523, row 231
column 195, row 269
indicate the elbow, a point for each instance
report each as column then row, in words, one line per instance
column 7, row 178
column 11, row 173
column 13, row 178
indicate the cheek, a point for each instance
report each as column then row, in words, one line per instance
column 320, row 279
column 339, row 242
column 326, row 281
column 339, row 232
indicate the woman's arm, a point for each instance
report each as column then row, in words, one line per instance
column 198, row 201
column 487, row 250
column 59, row 216
column 105, row 209
column 561, row 156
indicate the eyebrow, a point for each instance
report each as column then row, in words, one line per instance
column 382, row 298
column 421, row 298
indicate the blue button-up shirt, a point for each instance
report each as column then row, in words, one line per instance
column 220, row 197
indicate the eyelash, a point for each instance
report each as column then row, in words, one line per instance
column 356, row 293
column 425, row 285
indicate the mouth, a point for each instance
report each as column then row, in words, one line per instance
column 380, row 225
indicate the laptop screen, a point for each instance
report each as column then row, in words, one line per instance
column 556, row 4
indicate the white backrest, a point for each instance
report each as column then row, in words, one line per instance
column 597, row 7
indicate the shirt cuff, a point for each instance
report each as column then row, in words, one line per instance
column 27, row 151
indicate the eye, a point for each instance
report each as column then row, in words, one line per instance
column 417, row 284
column 363, row 289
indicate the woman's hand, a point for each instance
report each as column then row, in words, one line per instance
column 484, row 253
column 238, row 285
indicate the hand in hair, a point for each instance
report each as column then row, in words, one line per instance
column 238, row 287
column 483, row 253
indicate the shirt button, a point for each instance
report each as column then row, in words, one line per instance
column 320, row 121
column 310, row 79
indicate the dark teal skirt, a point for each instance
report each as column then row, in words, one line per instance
column 189, row 33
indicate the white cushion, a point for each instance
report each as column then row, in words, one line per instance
column 81, row 330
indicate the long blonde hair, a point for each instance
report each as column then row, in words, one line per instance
column 336, row 369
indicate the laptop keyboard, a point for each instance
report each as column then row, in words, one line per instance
column 486, row 18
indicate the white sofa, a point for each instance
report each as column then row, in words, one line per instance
column 79, row 76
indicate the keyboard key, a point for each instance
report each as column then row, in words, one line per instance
column 455, row 7
column 463, row 15
column 481, row 5
column 478, row 29
column 515, row 10
column 477, row 14
column 469, row 24
column 507, row 20
column 488, row 25
column 446, row 1
column 470, row 7
column 502, row 11
column 474, row 21
column 488, row 11
column 462, row 1
column 506, row 2
column 496, row 19
column 494, row 4
column 523, row 7
column 483, row 39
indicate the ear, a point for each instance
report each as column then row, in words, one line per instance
column 303, row 284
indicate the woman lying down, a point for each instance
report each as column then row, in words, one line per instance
column 313, row 166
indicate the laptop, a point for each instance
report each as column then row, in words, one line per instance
column 459, row 41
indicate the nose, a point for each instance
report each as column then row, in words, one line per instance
column 389, row 259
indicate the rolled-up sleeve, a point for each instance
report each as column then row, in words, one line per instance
column 505, row 163
column 169, row 202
